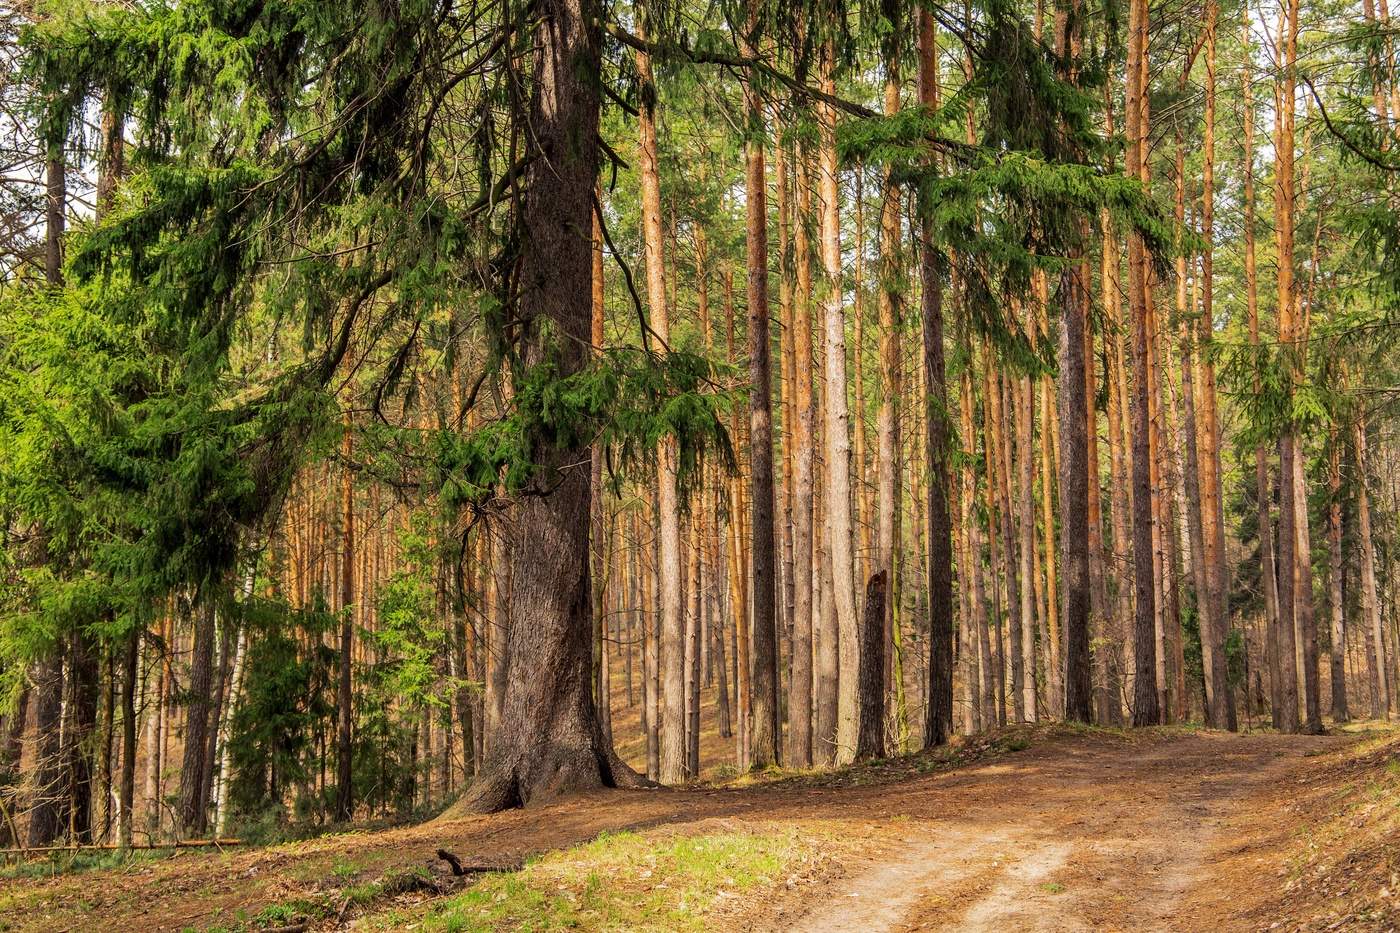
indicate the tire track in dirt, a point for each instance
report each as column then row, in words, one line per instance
column 1092, row 838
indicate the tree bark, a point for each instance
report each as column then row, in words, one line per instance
column 871, row 741
column 837, row 488
column 1288, row 556
column 344, row 748
column 555, row 743
column 802, row 685
column 1337, row 656
column 126, row 793
column 1263, row 491
column 193, row 807
column 672, row 621
column 888, row 493
column 938, row 722
column 1221, row 697
column 1370, row 607
column 767, row 728
column 1146, row 707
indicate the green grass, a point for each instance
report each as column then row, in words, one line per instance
column 620, row 881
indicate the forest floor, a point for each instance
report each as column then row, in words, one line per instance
column 1029, row 828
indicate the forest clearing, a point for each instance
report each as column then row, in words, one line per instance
column 790, row 464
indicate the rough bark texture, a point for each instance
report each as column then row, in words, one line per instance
column 837, row 491
column 46, row 811
column 1146, row 706
column 672, row 620
column 1337, row 656
column 555, row 743
column 801, row 687
column 1370, row 606
column 126, row 793
column 1289, row 575
column 193, row 804
column 344, row 719
column 888, row 494
column 1263, row 494
column 871, row 740
column 767, row 729
column 938, row 723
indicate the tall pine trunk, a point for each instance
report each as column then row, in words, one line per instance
column 767, row 731
column 1146, row 706
column 837, row 489
column 672, row 620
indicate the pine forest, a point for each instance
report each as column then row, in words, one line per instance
column 820, row 464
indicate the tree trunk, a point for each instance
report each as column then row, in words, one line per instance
column 1337, row 656
column 126, row 794
column 1220, row 697
column 155, row 742
column 1370, row 607
column 871, row 742
column 837, row 489
column 344, row 749
column 938, row 724
column 767, row 728
column 1288, row 556
column 888, row 493
column 46, row 811
column 235, row 690
column 193, row 806
column 1023, row 412
column 672, row 620
column 1263, row 491
column 555, row 743
column 1146, row 707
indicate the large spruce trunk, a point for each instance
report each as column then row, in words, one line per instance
column 552, row 742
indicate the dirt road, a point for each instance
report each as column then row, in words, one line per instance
column 1076, row 832
column 1082, row 837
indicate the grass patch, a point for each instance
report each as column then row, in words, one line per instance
column 621, row 881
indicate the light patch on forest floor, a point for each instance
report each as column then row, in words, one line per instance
column 660, row 880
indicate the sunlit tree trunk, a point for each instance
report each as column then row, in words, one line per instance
column 1370, row 606
column 837, row 488
column 1219, row 694
column 1289, row 508
column 1337, row 656
column 671, row 621
column 767, row 728
column 802, row 684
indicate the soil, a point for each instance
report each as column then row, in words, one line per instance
column 1037, row 829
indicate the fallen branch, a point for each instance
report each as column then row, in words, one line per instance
column 112, row 846
column 472, row 868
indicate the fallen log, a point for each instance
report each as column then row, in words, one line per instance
column 473, row 868
column 30, row 851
